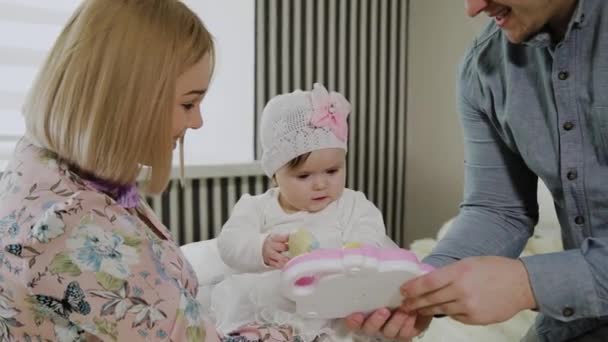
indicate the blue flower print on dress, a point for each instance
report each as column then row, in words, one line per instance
column 9, row 225
column 94, row 249
column 48, row 228
column 191, row 308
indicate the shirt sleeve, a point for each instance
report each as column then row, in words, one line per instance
column 571, row 285
column 497, row 217
column 241, row 239
column 499, row 209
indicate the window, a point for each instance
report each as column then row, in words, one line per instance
column 28, row 28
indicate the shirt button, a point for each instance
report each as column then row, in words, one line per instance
column 568, row 125
column 563, row 75
column 568, row 311
column 572, row 175
column 579, row 220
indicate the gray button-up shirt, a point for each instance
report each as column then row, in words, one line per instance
column 528, row 111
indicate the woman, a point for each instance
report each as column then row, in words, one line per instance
column 82, row 256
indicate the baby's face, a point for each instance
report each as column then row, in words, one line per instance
column 314, row 184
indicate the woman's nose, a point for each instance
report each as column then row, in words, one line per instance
column 196, row 121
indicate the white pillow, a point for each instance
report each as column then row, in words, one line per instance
column 206, row 261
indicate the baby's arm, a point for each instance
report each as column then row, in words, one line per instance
column 365, row 224
column 241, row 239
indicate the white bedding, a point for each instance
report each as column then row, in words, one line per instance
column 210, row 270
column 546, row 239
column 208, row 266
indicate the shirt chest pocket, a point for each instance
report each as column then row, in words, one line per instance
column 530, row 130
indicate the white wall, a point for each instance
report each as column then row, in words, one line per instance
column 28, row 28
column 228, row 113
column 439, row 33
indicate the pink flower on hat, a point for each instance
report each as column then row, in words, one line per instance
column 330, row 110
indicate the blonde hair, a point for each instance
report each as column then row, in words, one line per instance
column 104, row 98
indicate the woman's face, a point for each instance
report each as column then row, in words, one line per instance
column 191, row 87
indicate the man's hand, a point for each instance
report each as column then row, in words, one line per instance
column 475, row 290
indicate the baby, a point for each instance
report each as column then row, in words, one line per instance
column 304, row 140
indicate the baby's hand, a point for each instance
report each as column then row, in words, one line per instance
column 274, row 245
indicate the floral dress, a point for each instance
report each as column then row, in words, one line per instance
column 75, row 265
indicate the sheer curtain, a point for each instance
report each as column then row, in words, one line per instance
column 28, row 28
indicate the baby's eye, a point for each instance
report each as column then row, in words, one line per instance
column 302, row 177
column 332, row 171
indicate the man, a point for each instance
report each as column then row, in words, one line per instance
column 533, row 98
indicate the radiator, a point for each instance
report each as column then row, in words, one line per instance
column 198, row 209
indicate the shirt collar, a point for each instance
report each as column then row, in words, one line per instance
column 543, row 38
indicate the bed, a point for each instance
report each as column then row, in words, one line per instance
column 210, row 270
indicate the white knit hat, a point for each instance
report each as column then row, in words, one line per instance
column 300, row 122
